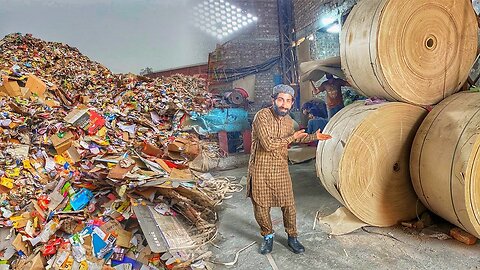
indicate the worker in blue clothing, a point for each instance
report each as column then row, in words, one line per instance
column 316, row 111
column 317, row 120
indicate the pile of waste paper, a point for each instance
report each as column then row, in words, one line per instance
column 94, row 169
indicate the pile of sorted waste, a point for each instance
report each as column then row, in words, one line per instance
column 94, row 169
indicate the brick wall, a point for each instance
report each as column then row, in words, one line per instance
column 308, row 21
column 325, row 45
column 309, row 13
column 255, row 45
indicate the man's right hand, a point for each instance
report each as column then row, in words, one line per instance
column 300, row 134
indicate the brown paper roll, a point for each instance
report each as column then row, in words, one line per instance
column 445, row 161
column 415, row 51
column 365, row 164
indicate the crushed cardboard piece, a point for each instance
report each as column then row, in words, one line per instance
column 36, row 85
column 62, row 144
column 164, row 165
column 11, row 88
column 181, row 174
column 78, row 117
column 123, row 238
column 21, row 245
column 342, row 221
column 118, row 172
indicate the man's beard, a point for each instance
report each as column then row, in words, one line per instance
column 277, row 111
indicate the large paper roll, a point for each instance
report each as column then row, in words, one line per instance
column 365, row 165
column 445, row 161
column 415, row 51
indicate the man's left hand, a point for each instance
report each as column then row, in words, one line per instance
column 321, row 136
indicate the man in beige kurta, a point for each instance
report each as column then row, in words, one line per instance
column 269, row 183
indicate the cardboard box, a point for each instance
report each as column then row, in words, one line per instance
column 62, row 144
column 118, row 172
column 51, row 103
column 78, row 117
column 20, row 245
column 73, row 154
column 11, row 88
column 183, row 147
column 26, row 93
column 151, row 150
column 123, row 238
column 36, row 85
column 37, row 263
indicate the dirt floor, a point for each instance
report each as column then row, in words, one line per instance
column 358, row 250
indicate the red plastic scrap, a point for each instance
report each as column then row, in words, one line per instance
column 51, row 247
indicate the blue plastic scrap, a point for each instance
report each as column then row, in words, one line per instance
column 81, row 199
column 229, row 120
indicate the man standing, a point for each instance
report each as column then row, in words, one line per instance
column 269, row 183
column 333, row 88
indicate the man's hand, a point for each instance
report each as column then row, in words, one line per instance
column 321, row 136
column 300, row 134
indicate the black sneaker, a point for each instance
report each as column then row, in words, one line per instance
column 295, row 246
column 267, row 245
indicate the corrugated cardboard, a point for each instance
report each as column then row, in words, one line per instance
column 118, row 172
column 181, row 174
column 73, row 154
column 26, row 93
column 184, row 147
column 164, row 165
column 123, row 238
column 11, row 88
column 151, row 150
column 62, row 144
column 52, row 103
column 78, row 117
column 36, row 85
column 111, row 226
column 38, row 263
column 20, row 245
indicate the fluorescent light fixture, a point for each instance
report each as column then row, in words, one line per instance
column 334, row 29
column 328, row 20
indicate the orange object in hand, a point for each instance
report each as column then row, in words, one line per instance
column 322, row 137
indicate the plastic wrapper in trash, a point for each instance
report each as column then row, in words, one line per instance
column 81, row 199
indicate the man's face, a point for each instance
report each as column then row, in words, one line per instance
column 282, row 104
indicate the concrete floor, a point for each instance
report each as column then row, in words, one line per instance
column 358, row 250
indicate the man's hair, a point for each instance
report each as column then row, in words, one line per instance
column 308, row 105
column 329, row 76
column 316, row 112
column 318, row 106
